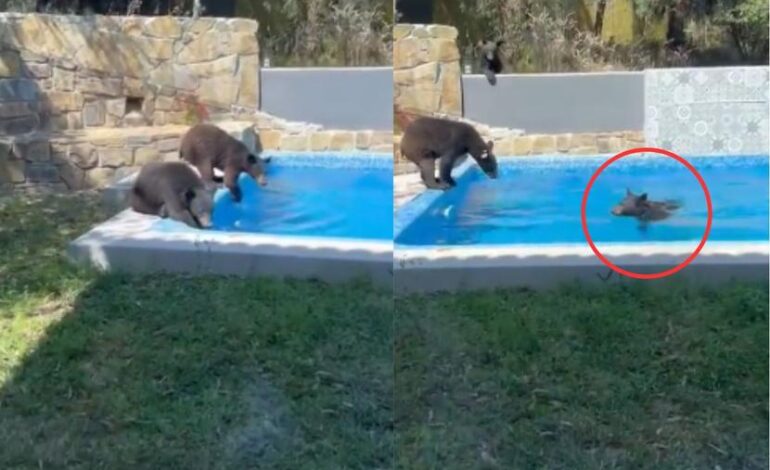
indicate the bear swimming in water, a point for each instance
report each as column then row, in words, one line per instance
column 172, row 190
column 207, row 147
column 642, row 208
column 428, row 139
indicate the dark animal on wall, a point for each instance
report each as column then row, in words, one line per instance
column 428, row 139
column 490, row 59
column 642, row 208
column 172, row 190
column 207, row 147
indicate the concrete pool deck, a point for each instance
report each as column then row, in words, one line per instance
column 129, row 242
column 547, row 266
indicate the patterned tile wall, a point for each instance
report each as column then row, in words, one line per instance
column 708, row 111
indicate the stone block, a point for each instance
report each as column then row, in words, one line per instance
column 343, row 140
column 603, row 144
column 156, row 49
column 19, row 125
column 111, row 54
column 224, row 66
column 400, row 31
column 299, row 143
column 444, row 50
column 33, row 151
column 563, row 142
column 116, row 107
column 115, row 157
column 10, row 64
column 204, row 48
column 62, row 101
column 522, row 145
column 363, row 139
column 145, row 155
column 11, row 169
column 63, row 80
column 543, row 144
column 272, row 139
column 100, row 86
column 163, row 27
column 11, row 109
column 219, row 92
column 585, row 150
column 248, row 95
column 83, row 155
column 243, row 44
column 39, row 71
column 443, row 32
column 18, row 89
column 242, row 25
column 100, row 177
column 169, row 145
column 94, row 114
column 73, row 177
column 320, row 141
column 42, row 173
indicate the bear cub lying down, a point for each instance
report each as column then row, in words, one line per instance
column 428, row 139
column 207, row 147
column 172, row 190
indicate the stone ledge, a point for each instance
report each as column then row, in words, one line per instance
column 515, row 143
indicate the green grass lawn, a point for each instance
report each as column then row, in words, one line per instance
column 625, row 378
column 224, row 373
column 172, row 372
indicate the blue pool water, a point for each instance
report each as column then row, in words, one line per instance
column 537, row 201
column 311, row 195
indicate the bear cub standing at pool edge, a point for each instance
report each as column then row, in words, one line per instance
column 642, row 208
column 207, row 147
column 427, row 139
column 172, row 190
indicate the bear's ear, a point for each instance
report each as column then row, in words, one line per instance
column 643, row 197
column 267, row 160
column 188, row 195
column 628, row 192
column 490, row 146
column 251, row 159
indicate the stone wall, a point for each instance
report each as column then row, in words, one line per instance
column 97, row 157
column 60, row 72
column 426, row 70
column 514, row 143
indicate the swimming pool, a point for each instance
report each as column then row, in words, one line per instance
column 525, row 227
column 537, row 201
column 322, row 216
column 330, row 196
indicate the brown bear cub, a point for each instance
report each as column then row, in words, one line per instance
column 173, row 190
column 207, row 147
column 428, row 139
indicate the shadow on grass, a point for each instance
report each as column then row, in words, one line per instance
column 169, row 372
column 663, row 377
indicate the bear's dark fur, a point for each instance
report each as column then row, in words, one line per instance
column 174, row 190
column 206, row 147
column 428, row 139
column 490, row 59
column 643, row 209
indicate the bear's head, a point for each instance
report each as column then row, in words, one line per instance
column 256, row 168
column 489, row 49
column 632, row 205
column 487, row 160
column 200, row 202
